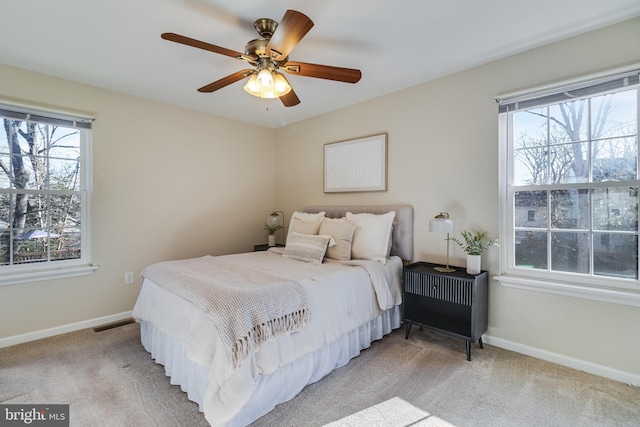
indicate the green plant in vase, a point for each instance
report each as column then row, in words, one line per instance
column 271, row 229
column 474, row 244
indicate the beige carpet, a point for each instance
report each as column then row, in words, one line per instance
column 109, row 380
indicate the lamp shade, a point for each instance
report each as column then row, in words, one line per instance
column 441, row 223
column 281, row 84
column 274, row 219
column 265, row 79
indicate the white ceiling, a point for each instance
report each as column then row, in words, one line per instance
column 397, row 44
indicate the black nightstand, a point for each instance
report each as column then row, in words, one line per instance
column 265, row 247
column 454, row 303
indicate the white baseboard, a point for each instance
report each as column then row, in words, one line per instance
column 45, row 333
column 570, row 362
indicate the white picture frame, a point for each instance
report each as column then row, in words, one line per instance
column 356, row 165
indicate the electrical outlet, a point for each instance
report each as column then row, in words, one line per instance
column 128, row 278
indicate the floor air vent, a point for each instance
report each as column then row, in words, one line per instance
column 113, row 325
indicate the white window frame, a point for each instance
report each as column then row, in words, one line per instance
column 607, row 289
column 32, row 272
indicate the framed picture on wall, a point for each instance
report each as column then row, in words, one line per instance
column 356, row 165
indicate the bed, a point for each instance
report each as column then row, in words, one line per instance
column 236, row 365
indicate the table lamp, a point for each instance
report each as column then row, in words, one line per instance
column 275, row 221
column 442, row 224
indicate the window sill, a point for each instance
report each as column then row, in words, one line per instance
column 37, row 276
column 566, row 289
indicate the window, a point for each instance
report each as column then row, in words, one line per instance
column 570, row 183
column 45, row 190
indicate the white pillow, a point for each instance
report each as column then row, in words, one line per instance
column 303, row 216
column 306, row 227
column 306, row 247
column 341, row 231
column 371, row 236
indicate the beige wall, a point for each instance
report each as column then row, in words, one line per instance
column 168, row 183
column 443, row 156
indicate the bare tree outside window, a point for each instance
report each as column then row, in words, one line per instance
column 576, row 186
column 40, row 200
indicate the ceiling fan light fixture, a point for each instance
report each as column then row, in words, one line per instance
column 265, row 79
column 251, row 86
column 275, row 87
column 255, row 88
column 282, row 85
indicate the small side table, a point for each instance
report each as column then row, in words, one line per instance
column 265, row 247
column 454, row 303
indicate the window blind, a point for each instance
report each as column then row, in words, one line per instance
column 28, row 114
column 568, row 92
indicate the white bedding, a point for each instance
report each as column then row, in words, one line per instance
column 343, row 303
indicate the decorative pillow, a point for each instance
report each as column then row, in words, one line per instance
column 303, row 217
column 306, row 227
column 306, row 247
column 341, row 231
column 371, row 236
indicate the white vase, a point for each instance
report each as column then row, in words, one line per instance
column 473, row 264
column 272, row 239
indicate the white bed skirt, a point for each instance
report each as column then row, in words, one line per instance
column 274, row 388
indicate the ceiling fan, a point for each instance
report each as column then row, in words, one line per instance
column 269, row 54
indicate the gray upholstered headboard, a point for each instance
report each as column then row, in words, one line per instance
column 402, row 239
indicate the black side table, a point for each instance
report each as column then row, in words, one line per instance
column 265, row 247
column 454, row 303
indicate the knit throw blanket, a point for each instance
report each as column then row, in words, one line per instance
column 247, row 306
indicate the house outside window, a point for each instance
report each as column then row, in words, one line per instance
column 569, row 183
column 45, row 195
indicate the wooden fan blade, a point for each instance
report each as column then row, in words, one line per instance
column 173, row 37
column 225, row 81
column 291, row 29
column 290, row 99
column 339, row 74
